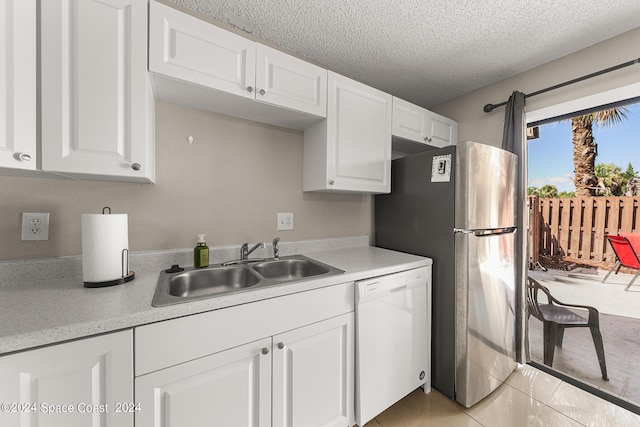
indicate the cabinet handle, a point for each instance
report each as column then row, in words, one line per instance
column 280, row 345
column 24, row 157
column 265, row 350
column 262, row 92
column 427, row 139
column 249, row 88
column 330, row 182
column 136, row 166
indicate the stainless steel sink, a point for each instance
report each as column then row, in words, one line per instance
column 290, row 269
column 211, row 281
column 216, row 280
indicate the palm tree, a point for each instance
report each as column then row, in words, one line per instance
column 611, row 180
column 585, row 148
column 545, row 192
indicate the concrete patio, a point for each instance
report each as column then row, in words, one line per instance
column 619, row 325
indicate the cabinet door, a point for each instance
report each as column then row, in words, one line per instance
column 187, row 48
column 418, row 124
column 313, row 375
column 95, row 90
column 441, row 131
column 230, row 388
column 18, row 84
column 78, row 384
column 409, row 121
column 358, row 137
column 290, row 82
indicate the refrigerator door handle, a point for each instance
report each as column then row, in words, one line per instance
column 486, row 232
column 462, row 231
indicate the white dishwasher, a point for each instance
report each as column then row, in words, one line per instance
column 393, row 342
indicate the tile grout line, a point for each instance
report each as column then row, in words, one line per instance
column 554, row 409
column 533, row 398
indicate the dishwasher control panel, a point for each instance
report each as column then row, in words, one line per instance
column 392, row 282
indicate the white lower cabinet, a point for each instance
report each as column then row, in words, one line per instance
column 84, row 383
column 281, row 362
column 230, row 388
column 305, row 378
column 313, row 374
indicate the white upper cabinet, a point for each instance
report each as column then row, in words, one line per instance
column 409, row 121
column 18, row 84
column 97, row 103
column 290, row 82
column 350, row 151
column 417, row 124
column 195, row 51
column 441, row 130
column 198, row 64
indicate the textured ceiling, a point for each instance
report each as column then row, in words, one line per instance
column 428, row 51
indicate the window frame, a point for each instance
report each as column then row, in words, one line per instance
column 617, row 96
column 623, row 95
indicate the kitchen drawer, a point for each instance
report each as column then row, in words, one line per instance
column 175, row 341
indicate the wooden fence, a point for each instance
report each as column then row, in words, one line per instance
column 575, row 228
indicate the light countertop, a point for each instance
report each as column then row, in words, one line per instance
column 56, row 309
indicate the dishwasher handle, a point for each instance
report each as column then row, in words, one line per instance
column 398, row 289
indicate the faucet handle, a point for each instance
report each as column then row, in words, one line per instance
column 244, row 250
column 276, row 249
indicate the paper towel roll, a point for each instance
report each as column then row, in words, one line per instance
column 103, row 239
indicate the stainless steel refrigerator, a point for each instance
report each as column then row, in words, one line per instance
column 456, row 205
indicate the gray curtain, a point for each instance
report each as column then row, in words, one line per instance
column 514, row 140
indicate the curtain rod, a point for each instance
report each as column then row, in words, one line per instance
column 489, row 107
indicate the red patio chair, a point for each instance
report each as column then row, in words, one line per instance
column 625, row 257
column 634, row 239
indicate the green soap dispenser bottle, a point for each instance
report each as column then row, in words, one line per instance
column 201, row 253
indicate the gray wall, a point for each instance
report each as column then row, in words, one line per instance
column 229, row 184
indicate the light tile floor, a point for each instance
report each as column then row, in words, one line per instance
column 528, row 398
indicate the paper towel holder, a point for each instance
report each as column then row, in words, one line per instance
column 127, row 275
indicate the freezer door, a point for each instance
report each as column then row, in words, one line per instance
column 485, row 187
column 485, row 318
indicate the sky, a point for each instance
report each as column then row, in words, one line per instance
column 551, row 155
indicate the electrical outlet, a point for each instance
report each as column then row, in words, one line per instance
column 285, row 221
column 35, row 226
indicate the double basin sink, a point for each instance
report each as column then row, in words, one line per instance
column 223, row 279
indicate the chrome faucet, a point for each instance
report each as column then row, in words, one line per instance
column 245, row 251
column 276, row 249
